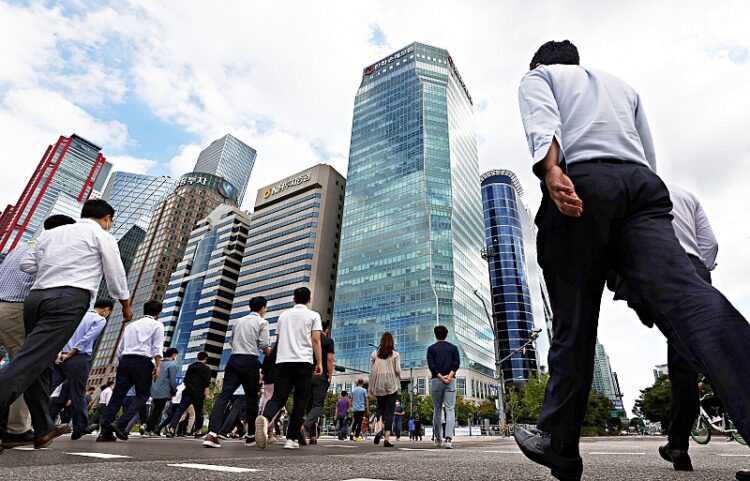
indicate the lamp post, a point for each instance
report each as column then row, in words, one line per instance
column 500, row 403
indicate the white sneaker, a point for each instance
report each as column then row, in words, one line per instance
column 447, row 444
column 261, row 431
column 438, row 442
column 291, row 444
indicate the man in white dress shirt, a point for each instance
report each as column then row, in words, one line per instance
column 604, row 208
column 68, row 263
column 142, row 341
column 697, row 238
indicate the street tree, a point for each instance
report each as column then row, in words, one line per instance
column 653, row 403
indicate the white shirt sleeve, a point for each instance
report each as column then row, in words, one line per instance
column 317, row 323
column 263, row 337
column 157, row 341
column 121, row 346
column 30, row 261
column 707, row 243
column 540, row 114
column 114, row 272
column 644, row 132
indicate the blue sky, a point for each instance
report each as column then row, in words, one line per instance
column 155, row 82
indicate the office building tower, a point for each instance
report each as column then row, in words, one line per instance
column 661, row 370
column 519, row 301
column 200, row 293
column 72, row 166
column 196, row 194
column 134, row 198
column 604, row 381
column 64, row 204
column 229, row 158
column 293, row 242
column 413, row 231
column 128, row 245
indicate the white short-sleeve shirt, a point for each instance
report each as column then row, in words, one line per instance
column 294, row 330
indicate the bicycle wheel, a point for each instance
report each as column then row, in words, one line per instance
column 736, row 435
column 701, row 432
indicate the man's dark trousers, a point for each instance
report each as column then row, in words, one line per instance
column 288, row 376
column 50, row 318
column 76, row 371
column 684, row 406
column 185, row 403
column 318, row 389
column 357, row 424
column 157, row 408
column 626, row 226
column 132, row 371
column 242, row 370
column 236, row 415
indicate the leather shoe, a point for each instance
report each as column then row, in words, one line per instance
column 119, row 432
column 680, row 459
column 539, row 449
column 46, row 440
column 743, row 475
column 106, row 437
column 15, row 440
column 302, row 436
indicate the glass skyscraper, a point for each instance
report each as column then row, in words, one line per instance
column 229, row 158
column 73, row 166
column 412, row 230
column 200, row 293
column 134, row 197
column 519, row 302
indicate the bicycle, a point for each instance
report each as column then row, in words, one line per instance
column 705, row 424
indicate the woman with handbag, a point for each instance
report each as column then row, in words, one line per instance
column 385, row 381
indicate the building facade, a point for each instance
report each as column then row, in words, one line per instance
column 73, row 166
column 128, row 245
column 230, row 158
column 519, row 303
column 412, row 231
column 200, row 293
column 134, row 198
column 293, row 242
column 603, row 381
column 196, row 194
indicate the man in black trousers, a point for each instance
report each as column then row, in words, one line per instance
column 605, row 209
column 68, row 263
column 197, row 381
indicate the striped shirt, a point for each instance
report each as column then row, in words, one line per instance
column 14, row 283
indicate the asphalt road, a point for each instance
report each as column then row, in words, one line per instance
column 631, row 458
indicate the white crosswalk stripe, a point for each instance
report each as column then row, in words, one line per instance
column 616, row 454
column 101, row 455
column 213, row 467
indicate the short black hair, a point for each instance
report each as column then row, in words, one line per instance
column 301, row 295
column 171, row 352
column 91, row 388
column 555, row 53
column 343, row 393
column 152, row 308
column 104, row 303
column 97, row 209
column 441, row 333
column 104, row 386
column 110, row 383
column 202, row 355
column 326, row 325
column 57, row 220
column 257, row 303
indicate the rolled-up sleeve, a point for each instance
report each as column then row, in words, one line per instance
column 707, row 243
column 539, row 113
column 114, row 272
column 157, row 341
column 263, row 337
column 29, row 261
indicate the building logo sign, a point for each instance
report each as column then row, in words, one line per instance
column 227, row 190
column 285, row 185
column 388, row 60
column 192, row 180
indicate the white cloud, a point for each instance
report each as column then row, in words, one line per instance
column 184, row 161
column 126, row 163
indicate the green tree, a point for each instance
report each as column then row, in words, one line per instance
column 597, row 414
column 653, row 403
column 487, row 410
column 423, row 408
column 464, row 410
column 532, row 398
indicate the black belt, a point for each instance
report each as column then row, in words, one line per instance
column 608, row 161
column 135, row 356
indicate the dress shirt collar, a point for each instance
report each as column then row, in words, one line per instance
column 301, row 306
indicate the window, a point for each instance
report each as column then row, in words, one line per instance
column 461, row 385
column 421, row 386
column 348, row 387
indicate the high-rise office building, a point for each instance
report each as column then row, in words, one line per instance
column 413, row 230
column 134, row 198
column 604, row 381
column 519, row 303
column 196, row 194
column 73, row 166
column 64, row 204
column 229, row 158
column 128, row 245
column 293, row 242
column 200, row 293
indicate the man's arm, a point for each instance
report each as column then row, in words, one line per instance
column 263, row 337
column 157, row 345
column 114, row 272
column 89, row 337
column 707, row 243
column 431, row 362
column 318, row 352
column 644, row 132
column 330, row 367
column 30, row 260
column 172, row 375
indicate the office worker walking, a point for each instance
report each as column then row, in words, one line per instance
column 197, row 381
column 385, row 381
column 139, row 354
column 68, row 263
column 604, row 208
column 162, row 390
column 443, row 360
column 249, row 338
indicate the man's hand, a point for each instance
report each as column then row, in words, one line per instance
column 562, row 191
column 330, row 379
column 127, row 312
column 157, row 370
column 318, row 369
